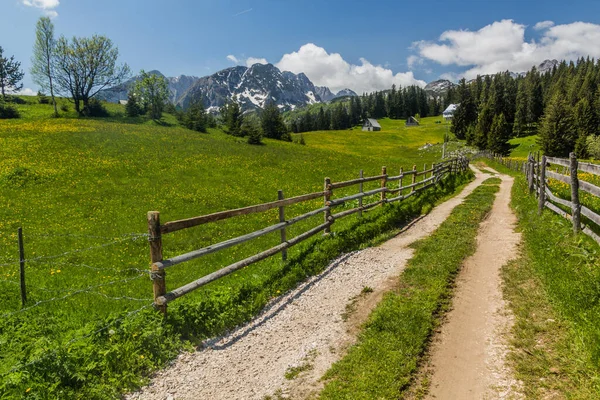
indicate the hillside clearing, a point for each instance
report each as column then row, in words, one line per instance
column 81, row 188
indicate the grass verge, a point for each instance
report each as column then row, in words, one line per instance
column 553, row 291
column 381, row 364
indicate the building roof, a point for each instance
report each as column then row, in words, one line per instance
column 374, row 122
column 451, row 108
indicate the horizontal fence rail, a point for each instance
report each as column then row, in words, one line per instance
column 539, row 169
column 402, row 191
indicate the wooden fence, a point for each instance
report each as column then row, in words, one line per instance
column 431, row 177
column 539, row 169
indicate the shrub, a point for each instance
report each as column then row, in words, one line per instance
column 286, row 137
column 64, row 107
column 95, row 109
column 593, row 146
column 16, row 100
column 8, row 111
column 42, row 98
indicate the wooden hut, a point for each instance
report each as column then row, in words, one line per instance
column 412, row 121
column 371, row 125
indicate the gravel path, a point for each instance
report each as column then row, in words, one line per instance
column 304, row 329
column 468, row 355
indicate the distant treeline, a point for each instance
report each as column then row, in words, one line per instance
column 562, row 106
column 397, row 103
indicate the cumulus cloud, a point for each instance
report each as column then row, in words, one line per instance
column 501, row 46
column 27, row 92
column 48, row 6
column 250, row 61
column 543, row 25
column 331, row 70
column 413, row 60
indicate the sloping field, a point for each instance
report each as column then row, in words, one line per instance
column 80, row 188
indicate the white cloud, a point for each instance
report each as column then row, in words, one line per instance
column 250, row 61
column 413, row 60
column 27, row 92
column 543, row 25
column 233, row 58
column 501, row 46
column 331, row 70
column 48, row 6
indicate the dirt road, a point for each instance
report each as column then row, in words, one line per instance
column 468, row 355
column 302, row 333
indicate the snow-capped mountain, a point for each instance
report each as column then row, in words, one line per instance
column 177, row 86
column 547, row 66
column 438, row 88
column 253, row 87
column 326, row 95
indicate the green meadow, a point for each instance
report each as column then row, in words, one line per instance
column 81, row 187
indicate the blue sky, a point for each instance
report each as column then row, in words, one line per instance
column 356, row 44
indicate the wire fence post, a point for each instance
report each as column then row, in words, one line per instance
column 22, row 267
column 282, row 219
column 326, row 199
column 158, row 275
column 360, row 190
column 542, row 187
column 383, row 184
column 575, row 204
column 400, row 181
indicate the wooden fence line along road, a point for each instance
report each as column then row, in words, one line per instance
column 156, row 229
column 537, row 171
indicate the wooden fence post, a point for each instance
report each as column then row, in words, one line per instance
column 383, row 184
column 158, row 275
column 282, row 219
column 327, row 197
column 400, row 181
column 360, row 190
column 530, row 171
column 414, row 177
column 576, row 205
column 542, row 187
column 22, row 267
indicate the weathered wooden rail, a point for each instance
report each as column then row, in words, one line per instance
column 156, row 229
column 538, row 169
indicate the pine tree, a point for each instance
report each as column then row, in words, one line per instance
column 484, row 124
column 499, row 135
column 466, row 113
column 251, row 130
column 133, row 107
column 557, row 130
column 234, row 119
column 587, row 124
column 272, row 123
column 520, row 124
column 195, row 117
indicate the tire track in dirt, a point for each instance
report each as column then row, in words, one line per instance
column 467, row 358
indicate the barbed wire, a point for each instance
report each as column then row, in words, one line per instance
column 73, row 292
column 129, row 314
column 37, row 259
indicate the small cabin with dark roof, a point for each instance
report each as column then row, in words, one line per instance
column 371, row 125
column 412, row 121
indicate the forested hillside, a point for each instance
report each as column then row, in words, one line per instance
column 562, row 106
column 397, row 103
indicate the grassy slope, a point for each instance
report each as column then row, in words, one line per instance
column 553, row 291
column 523, row 145
column 381, row 365
column 82, row 183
